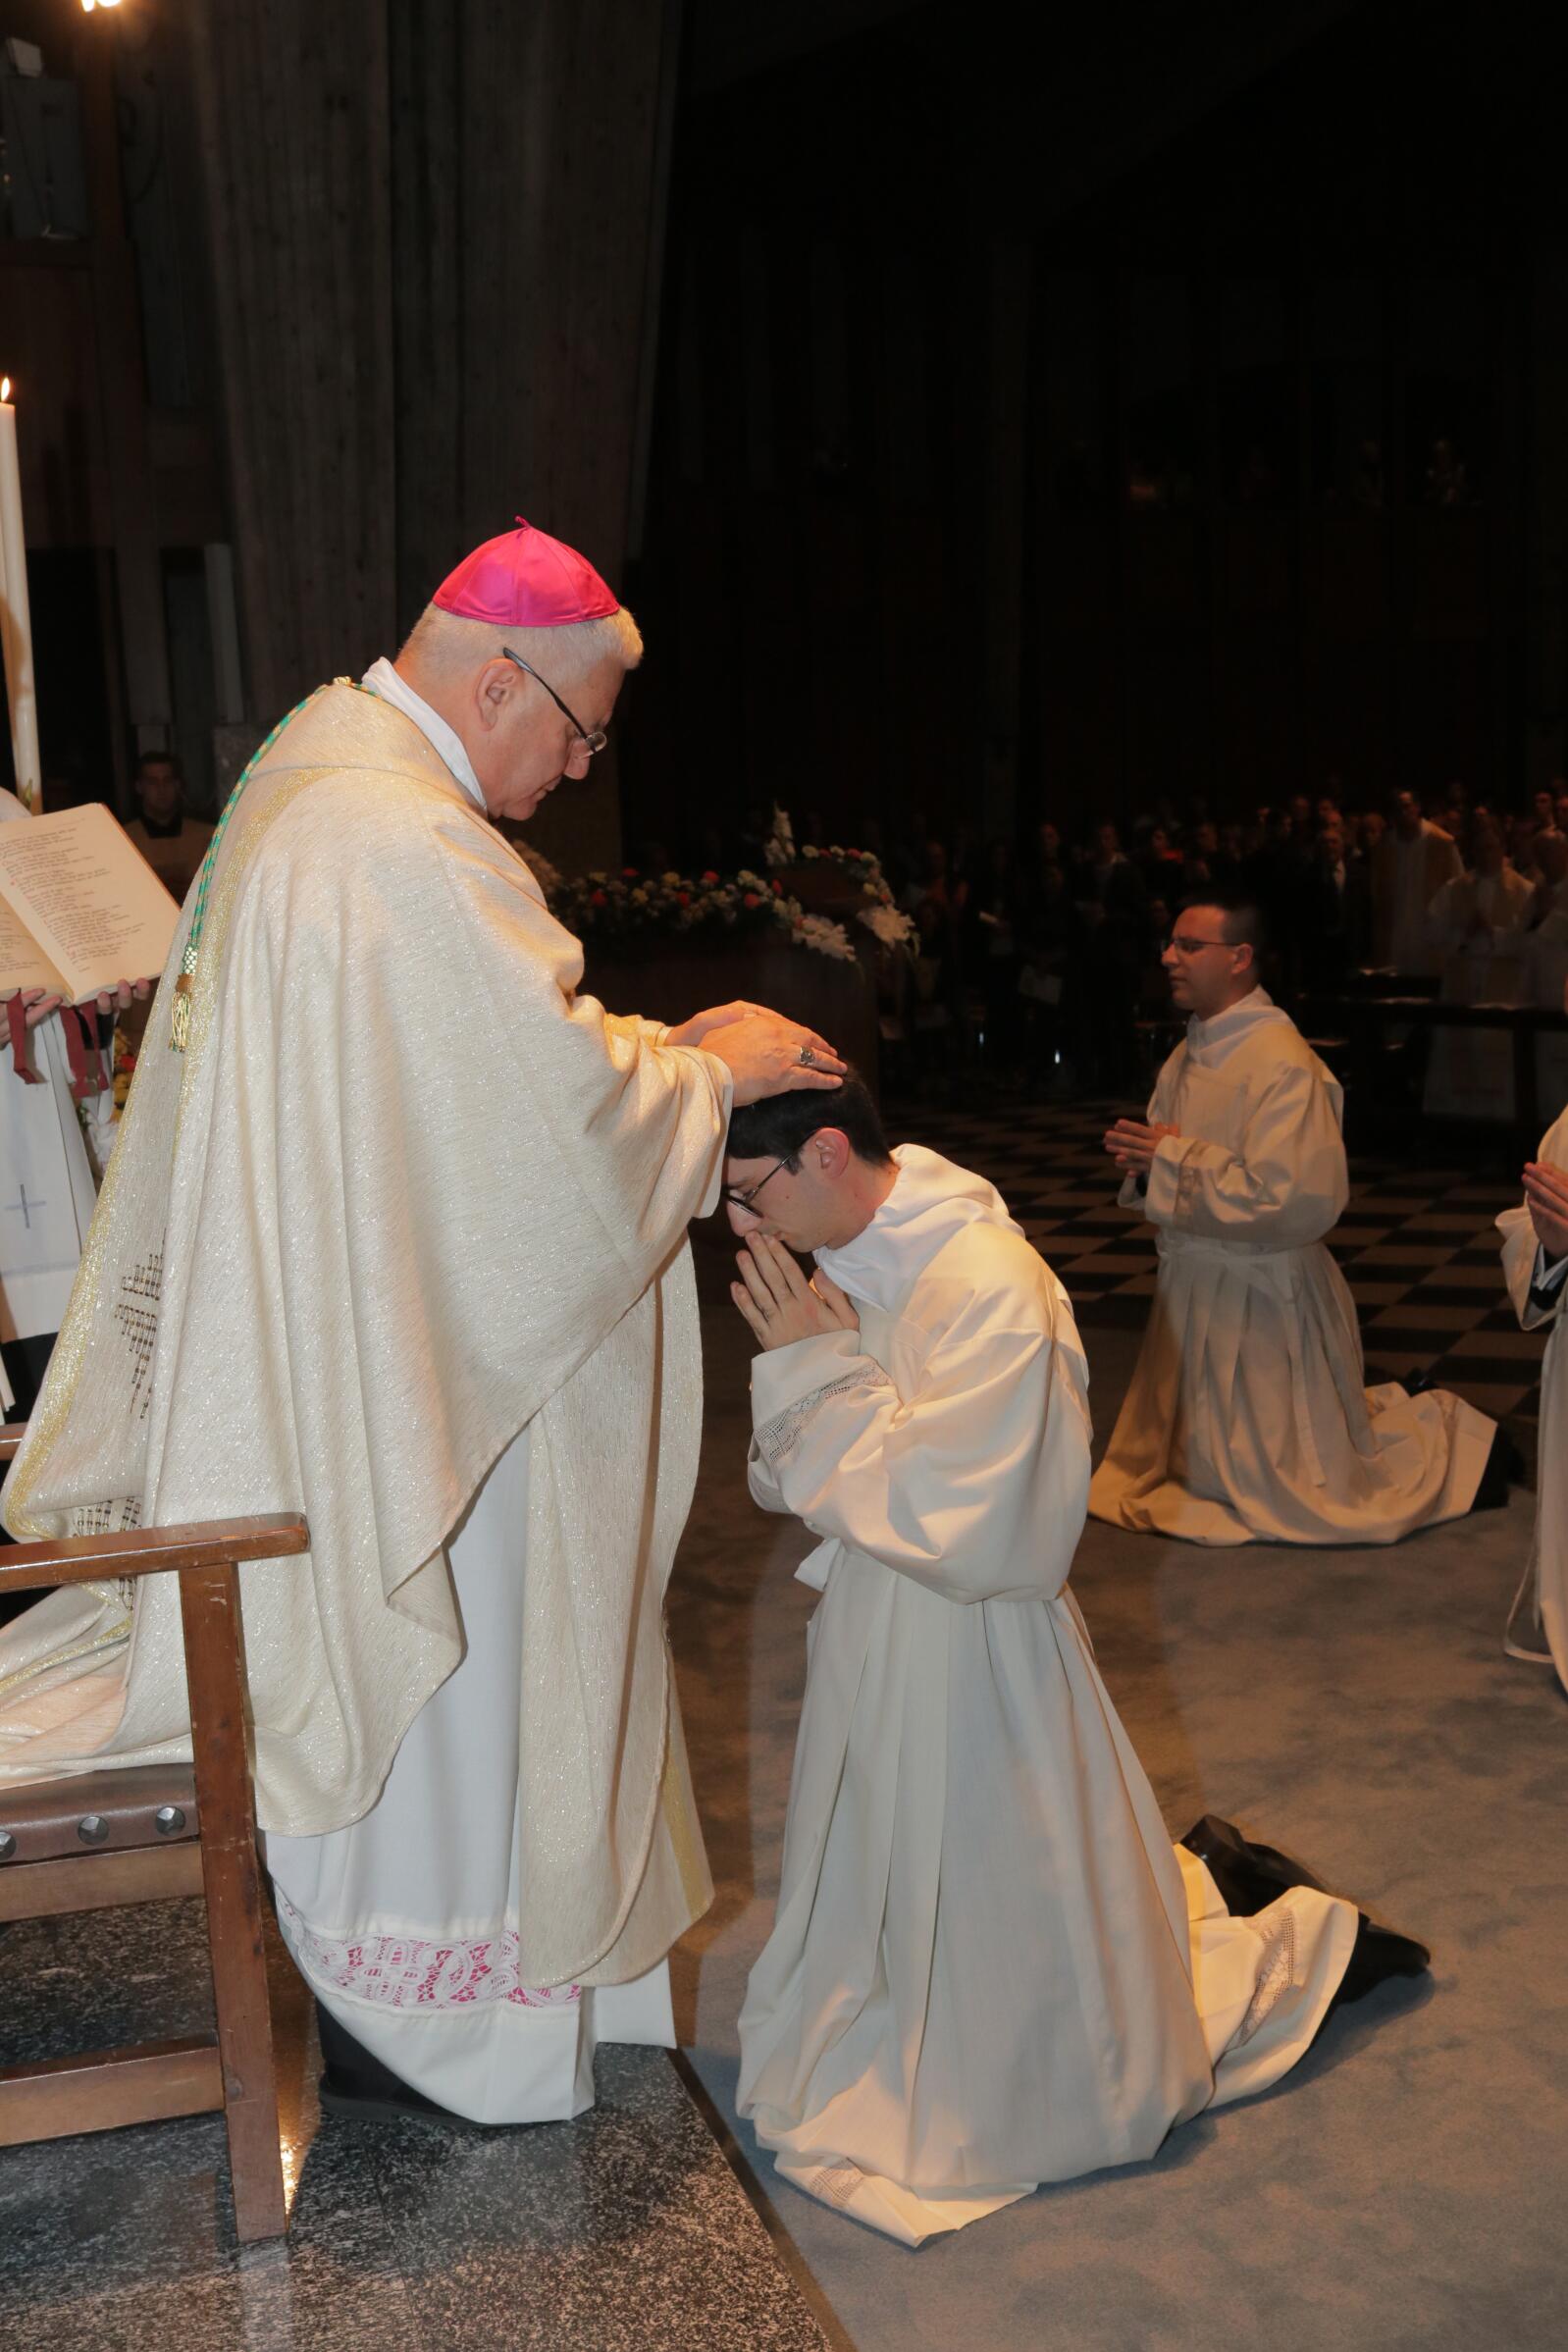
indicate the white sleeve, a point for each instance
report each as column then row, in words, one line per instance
column 1287, row 1186
column 976, row 1486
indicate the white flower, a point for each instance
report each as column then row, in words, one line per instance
column 891, row 927
column 827, row 938
column 780, row 847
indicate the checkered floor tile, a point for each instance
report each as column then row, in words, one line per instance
column 1417, row 1247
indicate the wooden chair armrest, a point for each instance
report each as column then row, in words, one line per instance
column 148, row 1550
column 10, row 1437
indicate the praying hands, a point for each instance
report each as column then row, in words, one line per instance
column 1546, row 1199
column 1132, row 1145
column 780, row 1304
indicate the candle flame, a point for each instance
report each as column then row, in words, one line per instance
column 5, row 388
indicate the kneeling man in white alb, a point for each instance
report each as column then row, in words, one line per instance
column 989, row 1966
column 1248, row 1419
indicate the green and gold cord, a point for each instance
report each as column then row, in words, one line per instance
column 184, row 985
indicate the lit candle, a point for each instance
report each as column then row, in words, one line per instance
column 16, row 623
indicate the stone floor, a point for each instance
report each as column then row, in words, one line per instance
column 625, row 2232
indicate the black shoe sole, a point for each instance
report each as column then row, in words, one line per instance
column 1378, row 1954
column 1250, row 1877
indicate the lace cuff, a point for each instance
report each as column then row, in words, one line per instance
column 776, row 1438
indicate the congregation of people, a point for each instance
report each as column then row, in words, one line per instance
column 1036, row 963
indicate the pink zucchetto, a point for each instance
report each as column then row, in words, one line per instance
column 525, row 580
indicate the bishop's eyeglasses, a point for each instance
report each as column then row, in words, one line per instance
column 589, row 739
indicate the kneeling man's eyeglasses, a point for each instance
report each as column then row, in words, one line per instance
column 744, row 1200
column 590, row 740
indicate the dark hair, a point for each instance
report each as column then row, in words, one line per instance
column 146, row 759
column 1243, row 917
column 781, row 1125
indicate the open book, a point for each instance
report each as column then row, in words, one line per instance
column 79, row 907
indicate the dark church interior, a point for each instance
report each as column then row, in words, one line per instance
column 1080, row 477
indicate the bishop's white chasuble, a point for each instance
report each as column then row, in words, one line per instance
column 399, row 1239
column 989, row 1967
column 1248, row 1419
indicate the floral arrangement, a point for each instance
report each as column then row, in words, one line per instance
column 632, row 905
column 882, row 916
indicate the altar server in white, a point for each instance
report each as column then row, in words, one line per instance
column 1535, row 1263
column 1479, row 924
column 989, row 1967
column 395, row 1233
column 1248, row 1419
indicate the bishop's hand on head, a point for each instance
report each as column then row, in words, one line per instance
column 717, row 1017
column 768, row 1055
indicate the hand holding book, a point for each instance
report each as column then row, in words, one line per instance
column 80, row 907
column 37, row 1003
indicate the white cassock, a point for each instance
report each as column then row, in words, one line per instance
column 1470, row 1072
column 989, row 1967
column 1248, row 1419
column 47, row 1188
column 1538, row 1291
column 400, row 1241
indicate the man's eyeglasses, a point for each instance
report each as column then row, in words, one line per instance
column 744, row 1200
column 589, row 740
column 1186, row 945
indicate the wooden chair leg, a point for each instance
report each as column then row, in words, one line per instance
column 209, row 1601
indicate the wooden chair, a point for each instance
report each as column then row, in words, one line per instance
column 88, row 1842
